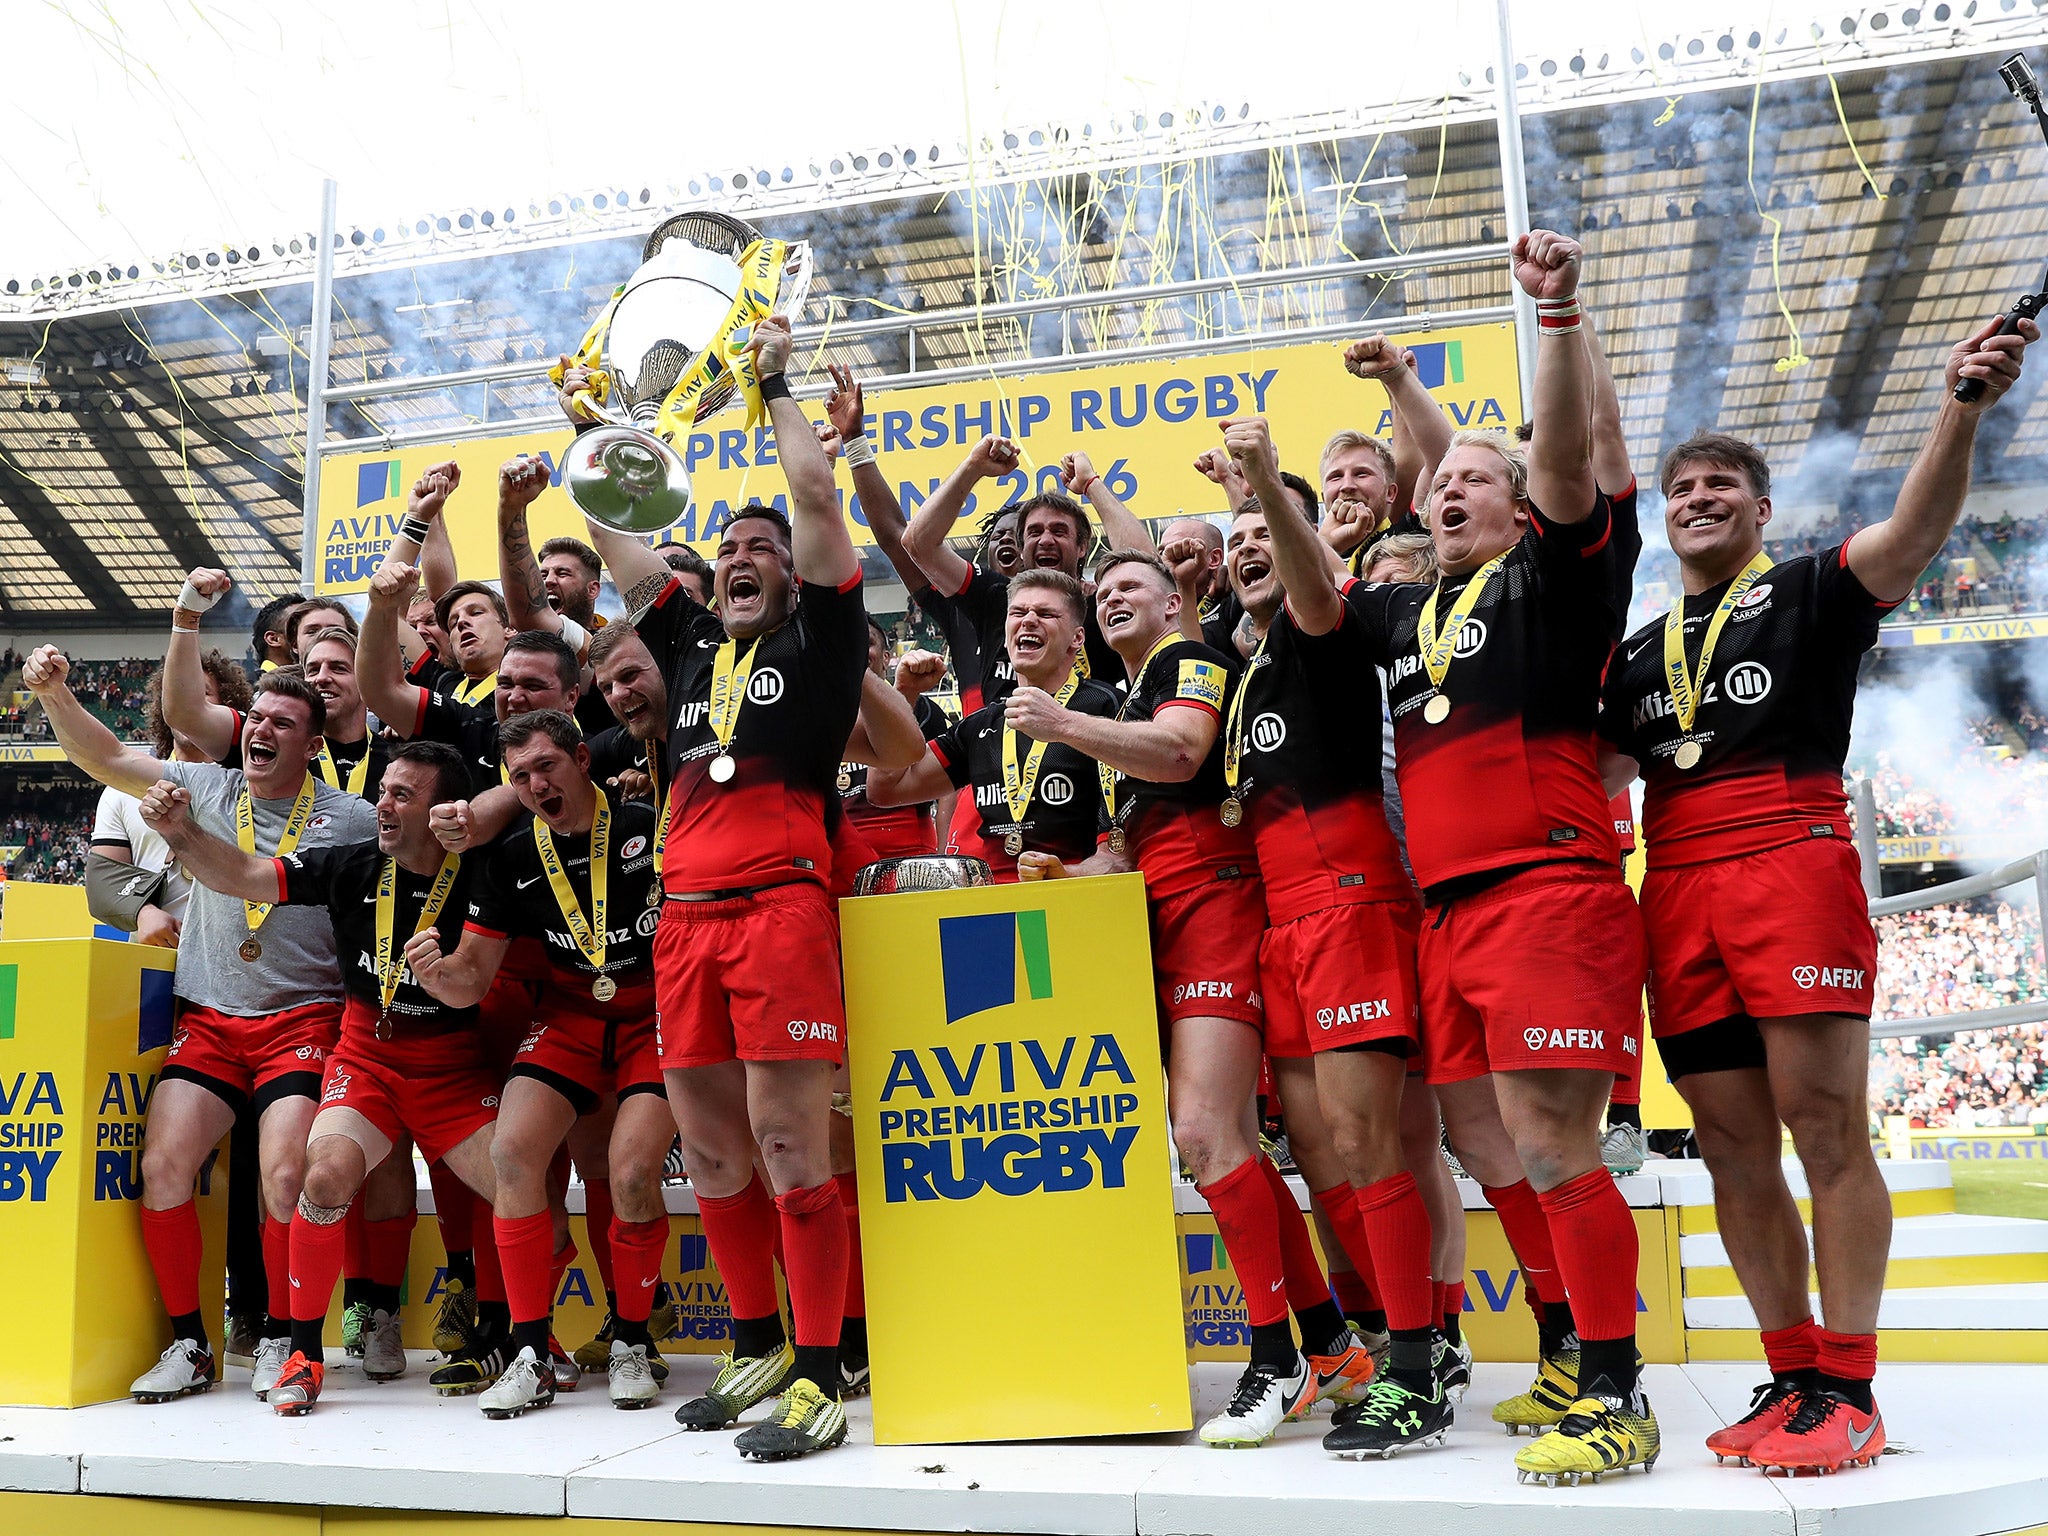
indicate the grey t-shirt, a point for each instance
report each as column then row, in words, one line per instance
column 297, row 966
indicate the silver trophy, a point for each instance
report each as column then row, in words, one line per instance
column 669, row 352
column 920, row 872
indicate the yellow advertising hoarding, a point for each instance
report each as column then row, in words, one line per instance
column 1141, row 423
column 1009, row 1106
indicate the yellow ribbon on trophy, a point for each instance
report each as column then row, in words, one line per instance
column 760, row 280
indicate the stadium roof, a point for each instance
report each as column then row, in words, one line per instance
column 1787, row 260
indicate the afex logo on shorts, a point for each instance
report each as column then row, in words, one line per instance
column 1564, row 1039
column 1188, row 990
column 1810, row 976
column 1354, row 1013
column 801, row 1030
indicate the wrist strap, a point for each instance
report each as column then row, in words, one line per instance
column 858, row 450
column 184, row 621
column 1083, row 490
column 1558, row 317
column 415, row 528
column 774, row 386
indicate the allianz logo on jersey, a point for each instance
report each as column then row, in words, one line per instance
column 1053, row 789
column 764, row 687
column 1747, row 682
column 1471, row 640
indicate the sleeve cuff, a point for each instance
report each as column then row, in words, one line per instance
column 482, row 930
column 283, row 890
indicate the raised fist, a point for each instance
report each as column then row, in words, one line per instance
column 520, row 480
column 45, row 670
column 393, row 583
column 828, row 438
column 449, row 822
column 1216, row 465
column 1186, row 558
column 992, row 456
column 1547, row 264
column 1374, row 358
column 430, row 491
column 209, row 583
column 1346, row 524
column 919, row 672
column 1077, row 474
column 770, row 344
column 1248, row 441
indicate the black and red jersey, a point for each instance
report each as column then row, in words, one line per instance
column 1628, row 551
column 1174, row 831
column 1509, row 778
column 1065, row 813
column 517, row 901
column 344, row 881
column 1310, row 774
column 1772, row 723
column 613, row 751
column 894, row 831
column 973, row 621
column 769, row 823
column 471, row 729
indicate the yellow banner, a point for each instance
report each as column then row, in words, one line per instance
column 1930, row 850
column 1141, row 423
column 1009, row 1117
column 2024, row 626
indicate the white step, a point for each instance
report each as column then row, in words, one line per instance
column 1687, row 1182
column 1997, row 1307
column 1913, row 1237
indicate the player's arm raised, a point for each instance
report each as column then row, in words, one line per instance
column 211, row 727
column 520, row 480
column 925, row 539
column 88, row 743
column 1300, row 557
column 818, row 537
column 1421, row 434
column 1120, row 526
column 215, row 864
column 846, row 411
column 1560, row 451
column 885, row 733
column 1888, row 557
column 1167, row 750
column 380, row 658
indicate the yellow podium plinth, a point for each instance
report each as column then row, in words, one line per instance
column 1009, row 1105
column 84, row 1024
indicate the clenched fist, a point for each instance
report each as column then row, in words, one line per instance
column 392, row 584
column 165, row 810
column 919, row 672
column 1250, row 443
column 45, row 670
column 770, row 344
column 430, row 492
column 520, row 480
column 1547, row 264
column 1374, row 358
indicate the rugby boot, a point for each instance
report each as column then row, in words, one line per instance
column 183, row 1368
column 1825, row 1433
column 804, row 1420
column 1599, row 1435
column 527, row 1382
column 740, row 1383
column 1264, row 1399
column 1393, row 1417
column 1770, row 1405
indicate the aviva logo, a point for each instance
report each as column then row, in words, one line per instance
column 1203, row 1252
column 1437, row 363
column 989, row 959
column 376, row 481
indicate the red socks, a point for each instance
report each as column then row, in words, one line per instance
column 636, row 1249
column 526, row 1250
column 814, row 1249
column 1242, row 1202
column 1596, row 1251
column 856, row 1286
column 390, row 1246
column 1528, row 1233
column 173, row 1242
column 490, row 1273
column 316, row 1255
column 1789, row 1351
column 742, row 1230
column 1340, row 1209
column 1847, row 1356
column 1397, row 1227
column 1307, row 1285
column 454, row 1209
column 1355, row 1295
column 277, row 1265
column 356, row 1264
column 597, row 1228
column 1451, row 1299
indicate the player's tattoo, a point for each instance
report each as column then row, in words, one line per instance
column 519, row 559
column 647, row 590
column 1247, row 636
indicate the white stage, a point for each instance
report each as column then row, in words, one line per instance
column 1966, row 1458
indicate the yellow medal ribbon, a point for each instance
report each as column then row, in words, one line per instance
column 760, row 278
column 1018, row 787
column 1109, row 775
column 1437, row 649
column 1233, row 727
column 661, row 798
column 358, row 776
column 591, row 943
column 387, row 893
column 730, row 674
column 476, row 691
column 245, row 837
column 1687, row 687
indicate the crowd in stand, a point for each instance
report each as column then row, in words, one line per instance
column 1978, row 1080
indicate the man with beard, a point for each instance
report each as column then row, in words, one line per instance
column 259, row 994
column 405, row 1068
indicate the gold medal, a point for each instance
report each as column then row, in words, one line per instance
column 1013, row 843
column 254, row 912
column 1439, row 647
column 251, row 950
column 1116, row 839
column 1437, row 710
column 1232, row 811
column 845, row 777
column 604, row 989
column 383, row 1026
column 654, row 895
column 1687, row 687
column 722, row 769
column 1688, row 755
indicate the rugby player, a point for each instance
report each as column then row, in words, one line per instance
column 259, row 994
column 406, row 1066
column 763, row 696
column 1029, row 796
column 312, row 616
column 267, row 642
column 577, row 874
column 897, row 828
column 1531, row 953
column 1201, row 883
column 556, row 592
column 1736, row 705
column 1337, row 965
